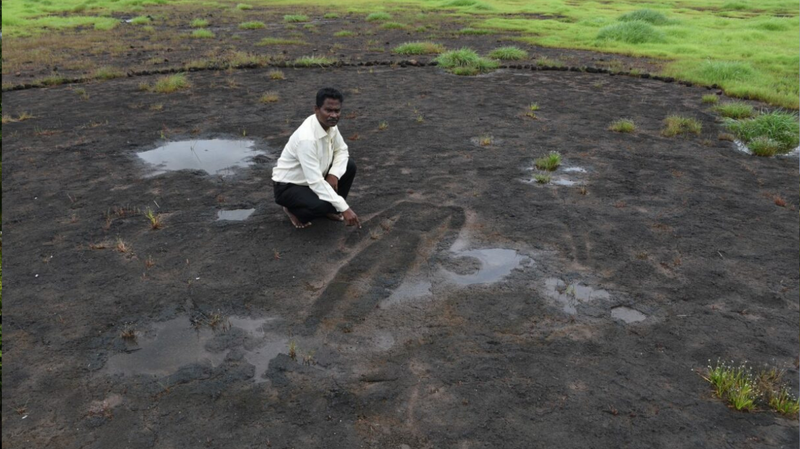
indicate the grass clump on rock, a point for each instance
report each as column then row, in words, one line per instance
column 710, row 99
column 331, row 15
column 508, row 53
column 542, row 178
column 623, row 126
column 474, row 31
column 764, row 146
column 781, row 127
column 677, row 124
column 308, row 61
column 635, row 32
column 295, row 18
column 344, row 33
column 419, row 48
column 244, row 7
column 279, row 41
column 393, row 26
column 199, row 23
column 645, row 15
column 202, row 34
column 252, row 25
column 140, row 20
column 378, row 17
column 465, row 62
column 550, row 162
column 171, row 83
column 735, row 110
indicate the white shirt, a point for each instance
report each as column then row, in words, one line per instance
column 310, row 155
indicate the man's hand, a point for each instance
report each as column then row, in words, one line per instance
column 351, row 218
column 334, row 182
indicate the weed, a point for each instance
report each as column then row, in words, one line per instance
column 676, row 124
column 128, row 334
column 203, row 34
column 550, row 162
column 544, row 61
column 635, row 32
column 155, row 219
column 82, row 92
column 7, row 119
column 149, row 262
column 508, row 53
column 378, row 17
column 764, row 146
column 199, row 23
column 331, row 15
column 269, row 97
column 645, row 15
column 244, row 7
column 171, row 83
column 710, row 99
column 140, row 20
column 157, row 107
column 485, row 140
column 419, row 118
column 474, row 31
column 418, row 48
column 344, row 33
column 276, row 75
column 781, row 127
column 54, row 80
column 623, row 126
column 784, row 403
column 735, row 110
column 383, row 125
column 143, row 87
column 308, row 61
column 252, row 25
column 465, row 62
column 293, row 350
column 310, row 27
column 295, row 18
column 743, row 397
column 215, row 320
column 107, row 73
column 541, row 178
column 121, row 246
column 393, row 26
column 583, row 191
column 279, row 41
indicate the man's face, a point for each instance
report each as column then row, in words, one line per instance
column 328, row 114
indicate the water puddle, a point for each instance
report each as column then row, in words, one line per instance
column 215, row 156
column 575, row 170
column 563, row 182
column 569, row 296
column 627, row 315
column 495, row 264
column 234, row 215
column 410, row 289
column 260, row 347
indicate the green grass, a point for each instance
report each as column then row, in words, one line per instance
column 780, row 126
column 295, row 18
column 636, row 32
column 244, row 7
column 199, row 23
column 308, row 61
column 280, row 41
column 276, row 75
column 550, row 162
column 171, row 83
column 331, row 15
column 474, row 31
column 623, row 126
column 745, row 391
column 393, row 26
column 419, row 48
column 140, row 20
column 676, row 124
column 344, row 33
column 269, row 97
column 252, row 25
column 645, row 15
column 735, row 110
column 107, row 73
column 378, row 17
column 508, row 53
column 764, row 146
column 465, row 62
column 541, row 178
column 202, row 34
column 710, row 99
column 784, row 403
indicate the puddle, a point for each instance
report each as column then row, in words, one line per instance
column 169, row 346
column 215, row 156
column 575, row 170
column 260, row 348
column 627, row 315
column 495, row 264
column 234, row 215
column 569, row 296
column 563, row 182
column 410, row 289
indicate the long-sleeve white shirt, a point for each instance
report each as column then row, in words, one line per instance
column 310, row 155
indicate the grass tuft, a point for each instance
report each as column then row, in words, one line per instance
column 676, row 124
column 308, row 61
column 344, row 33
column 508, row 53
column 244, row 7
column 718, row 72
column 635, row 32
column 418, row 48
column 393, row 26
column 735, row 110
column 252, row 25
column 171, row 83
column 269, row 97
column 378, row 17
column 781, row 127
column 623, row 126
column 276, row 75
column 199, row 23
column 107, row 73
column 645, row 15
column 280, row 41
column 140, row 20
column 764, row 146
column 542, row 178
column 474, row 31
column 295, row 18
column 710, row 99
column 465, row 62
column 550, row 162
column 203, row 34
column 331, row 15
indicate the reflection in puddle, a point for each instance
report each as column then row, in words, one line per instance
column 495, row 265
column 215, row 157
column 410, row 289
column 627, row 315
column 259, row 348
column 569, row 296
column 234, row 215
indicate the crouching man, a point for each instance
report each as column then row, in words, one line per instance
column 314, row 173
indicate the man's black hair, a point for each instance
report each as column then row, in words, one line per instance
column 328, row 92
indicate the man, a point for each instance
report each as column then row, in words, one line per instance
column 314, row 173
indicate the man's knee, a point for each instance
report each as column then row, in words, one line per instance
column 351, row 167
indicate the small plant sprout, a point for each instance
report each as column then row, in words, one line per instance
column 276, row 75
column 383, row 125
column 155, row 219
column 128, row 334
column 676, row 124
column 485, row 140
column 203, row 34
column 344, row 33
column 420, row 118
column 309, row 61
column 199, row 23
column 121, row 246
column 269, row 97
column 149, row 262
column 550, row 162
column 331, row 15
column 531, row 112
column 623, row 126
column 293, row 350
column 710, row 99
column 541, row 178
column 252, row 25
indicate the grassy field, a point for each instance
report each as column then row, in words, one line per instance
column 748, row 48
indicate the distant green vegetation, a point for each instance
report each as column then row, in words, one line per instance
column 645, row 15
column 735, row 109
column 677, row 124
column 508, row 53
column 465, row 62
column 308, row 61
column 199, row 23
column 280, row 41
column 140, row 20
column 781, row 127
column 635, row 32
column 379, row 17
column 331, row 15
column 202, row 34
column 295, row 18
column 252, row 25
column 393, row 26
column 418, row 48
column 623, row 126
column 344, row 33
column 474, row 31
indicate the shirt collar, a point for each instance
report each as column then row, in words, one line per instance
column 319, row 131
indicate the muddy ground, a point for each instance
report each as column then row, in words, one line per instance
column 475, row 309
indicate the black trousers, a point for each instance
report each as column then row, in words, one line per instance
column 305, row 204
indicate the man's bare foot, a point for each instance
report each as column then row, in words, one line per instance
column 296, row 221
column 335, row 217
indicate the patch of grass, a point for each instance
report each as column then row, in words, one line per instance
column 645, row 15
column 764, row 146
column 544, row 61
column 53, row 80
column 308, row 61
column 531, row 112
column 744, row 391
column 154, row 219
column 623, row 126
column 393, row 26
column 295, row 18
column 508, row 53
column 418, row 48
column 280, row 41
column 780, row 126
column 710, row 99
column 720, row 72
column 140, row 20
column 344, row 33
column 383, row 125
column 171, row 83
column 269, row 97
column 252, row 25
column 121, row 246
column 473, row 4
column 485, row 140
column 276, row 75
column 244, row 7
column 107, row 73
column 635, row 32
column 474, row 31
column 128, row 334
column 203, row 34
column 293, row 350
column 465, row 62
column 542, row 178
column 550, row 162
column 378, row 17
column 199, row 23
column 784, row 402
column 676, row 124
column 331, row 15
column 735, row 110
